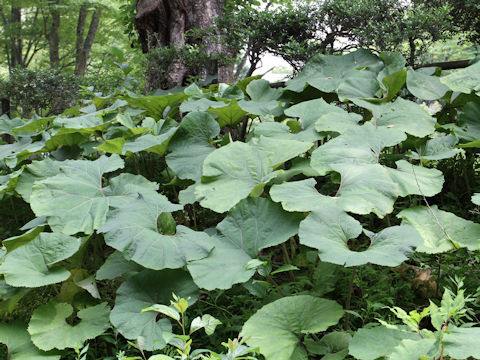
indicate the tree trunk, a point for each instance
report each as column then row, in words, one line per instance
column 16, row 39
column 83, row 46
column 163, row 23
column 53, row 38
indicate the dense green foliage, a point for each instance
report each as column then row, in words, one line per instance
column 311, row 219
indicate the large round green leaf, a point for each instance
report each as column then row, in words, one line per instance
column 76, row 200
column 234, row 171
column 143, row 290
column 15, row 336
column 424, row 86
column 329, row 229
column 252, row 225
column 264, row 99
column 365, row 344
column 366, row 188
column 406, row 116
column 16, row 241
column 277, row 328
column 144, row 231
column 476, row 199
column 416, row 180
column 190, row 147
column 49, row 329
column 300, row 195
column 353, row 75
column 361, row 145
column 441, row 230
column 313, row 116
column 464, row 80
column 37, row 170
column 115, row 266
column 442, row 147
column 462, row 343
column 156, row 105
column 33, row 264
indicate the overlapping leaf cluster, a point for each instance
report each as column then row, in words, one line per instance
column 348, row 137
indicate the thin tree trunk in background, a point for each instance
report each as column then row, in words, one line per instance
column 54, row 39
column 17, row 44
column 413, row 48
column 83, row 46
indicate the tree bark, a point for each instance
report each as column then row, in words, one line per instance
column 53, row 38
column 163, row 23
column 17, row 44
column 83, row 46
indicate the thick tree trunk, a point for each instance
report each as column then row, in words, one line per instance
column 163, row 23
column 83, row 46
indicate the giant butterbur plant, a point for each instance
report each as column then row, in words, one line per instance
column 132, row 198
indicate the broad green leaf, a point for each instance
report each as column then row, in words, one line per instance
column 406, row 116
column 329, row 229
column 277, row 328
column 438, row 148
column 156, row 105
column 464, row 80
column 207, row 322
column 13, row 154
column 89, row 123
column 15, row 336
column 337, row 122
column 366, row 188
column 353, row 75
column 299, row 195
column 232, row 172
column 468, row 127
column 226, row 256
column 9, row 182
column 425, row 87
column 190, row 147
column 49, row 329
column 409, row 349
column 391, row 85
column 441, row 230
column 199, row 105
column 112, row 146
column 33, row 264
column 365, row 344
column 361, row 145
column 461, row 343
column 264, row 99
column 37, row 170
column 16, row 241
column 252, row 225
column 7, row 125
column 143, row 290
column 76, row 200
column 416, row 180
column 333, row 345
column 476, row 199
column 471, row 144
column 157, row 144
column 230, row 114
column 135, row 229
column 313, row 112
column 116, row 266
